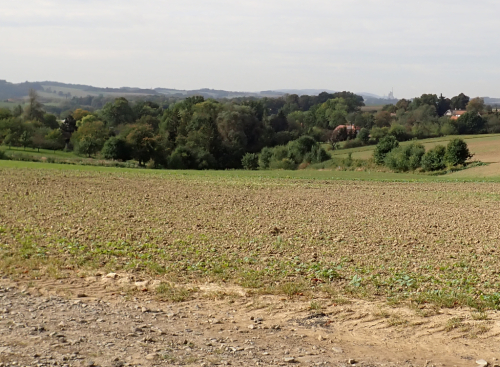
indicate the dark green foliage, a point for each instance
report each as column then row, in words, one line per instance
column 50, row 121
column 433, row 160
column 5, row 113
column 142, row 143
column 279, row 122
column 87, row 146
column 364, row 135
column 182, row 158
column 460, row 102
column 298, row 149
column 399, row 132
column 116, row 148
column 285, row 163
column 316, row 155
column 117, row 112
column 190, row 158
column 471, row 123
column 457, row 152
column 265, row 157
column 443, row 105
column 405, row 158
column 384, row 146
column 250, row 161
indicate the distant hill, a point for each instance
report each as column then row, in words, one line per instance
column 10, row 90
column 57, row 90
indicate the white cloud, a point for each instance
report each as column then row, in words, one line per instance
column 370, row 45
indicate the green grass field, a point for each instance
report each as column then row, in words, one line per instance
column 41, row 152
column 309, row 174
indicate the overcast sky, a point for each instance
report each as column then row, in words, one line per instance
column 425, row 46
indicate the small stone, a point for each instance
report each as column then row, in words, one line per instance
column 112, row 276
column 337, row 350
column 142, row 285
column 89, row 364
column 251, row 327
column 351, row 361
column 482, row 362
column 144, row 309
column 320, row 338
column 290, row 360
column 151, row 356
column 81, row 295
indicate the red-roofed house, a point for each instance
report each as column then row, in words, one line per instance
column 455, row 114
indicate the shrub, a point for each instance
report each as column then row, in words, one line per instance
column 265, row 157
column 457, row 152
column 354, row 143
column 448, row 128
column 250, row 161
column 385, row 145
column 433, row 160
column 364, row 135
column 317, row 155
column 285, row 163
column 471, row 123
column 405, row 158
column 377, row 133
column 115, row 148
column 399, row 132
column 2, row 155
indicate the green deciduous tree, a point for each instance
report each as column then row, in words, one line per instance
column 433, row 160
column 142, row 142
column 384, row 146
column 476, row 105
column 90, row 138
column 457, row 152
column 250, row 161
column 34, row 109
column 405, row 158
column 116, row 148
column 460, row 102
column 471, row 123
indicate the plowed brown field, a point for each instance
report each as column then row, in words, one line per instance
column 245, row 270
column 420, row 242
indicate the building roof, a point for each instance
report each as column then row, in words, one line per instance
column 347, row 127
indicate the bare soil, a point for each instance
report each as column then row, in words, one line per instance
column 93, row 321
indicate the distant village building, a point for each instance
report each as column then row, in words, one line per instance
column 352, row 130
column 455, row 114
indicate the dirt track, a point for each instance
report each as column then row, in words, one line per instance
column 87, row 322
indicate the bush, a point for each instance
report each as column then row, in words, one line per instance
column 449, row 128
column 354, row 143
column 471, row 123
column 2, row 155
column 115, row 148
column 364, row 135
column 399, row 132
column 433, row 160
column 457, row 152
column 405, row 158
column 250, row 161
column 385, row 145
column 285, row 163
column 378, row 133
column 298, row 149
column 265, row 157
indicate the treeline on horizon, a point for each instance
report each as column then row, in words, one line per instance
column 197, row 133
